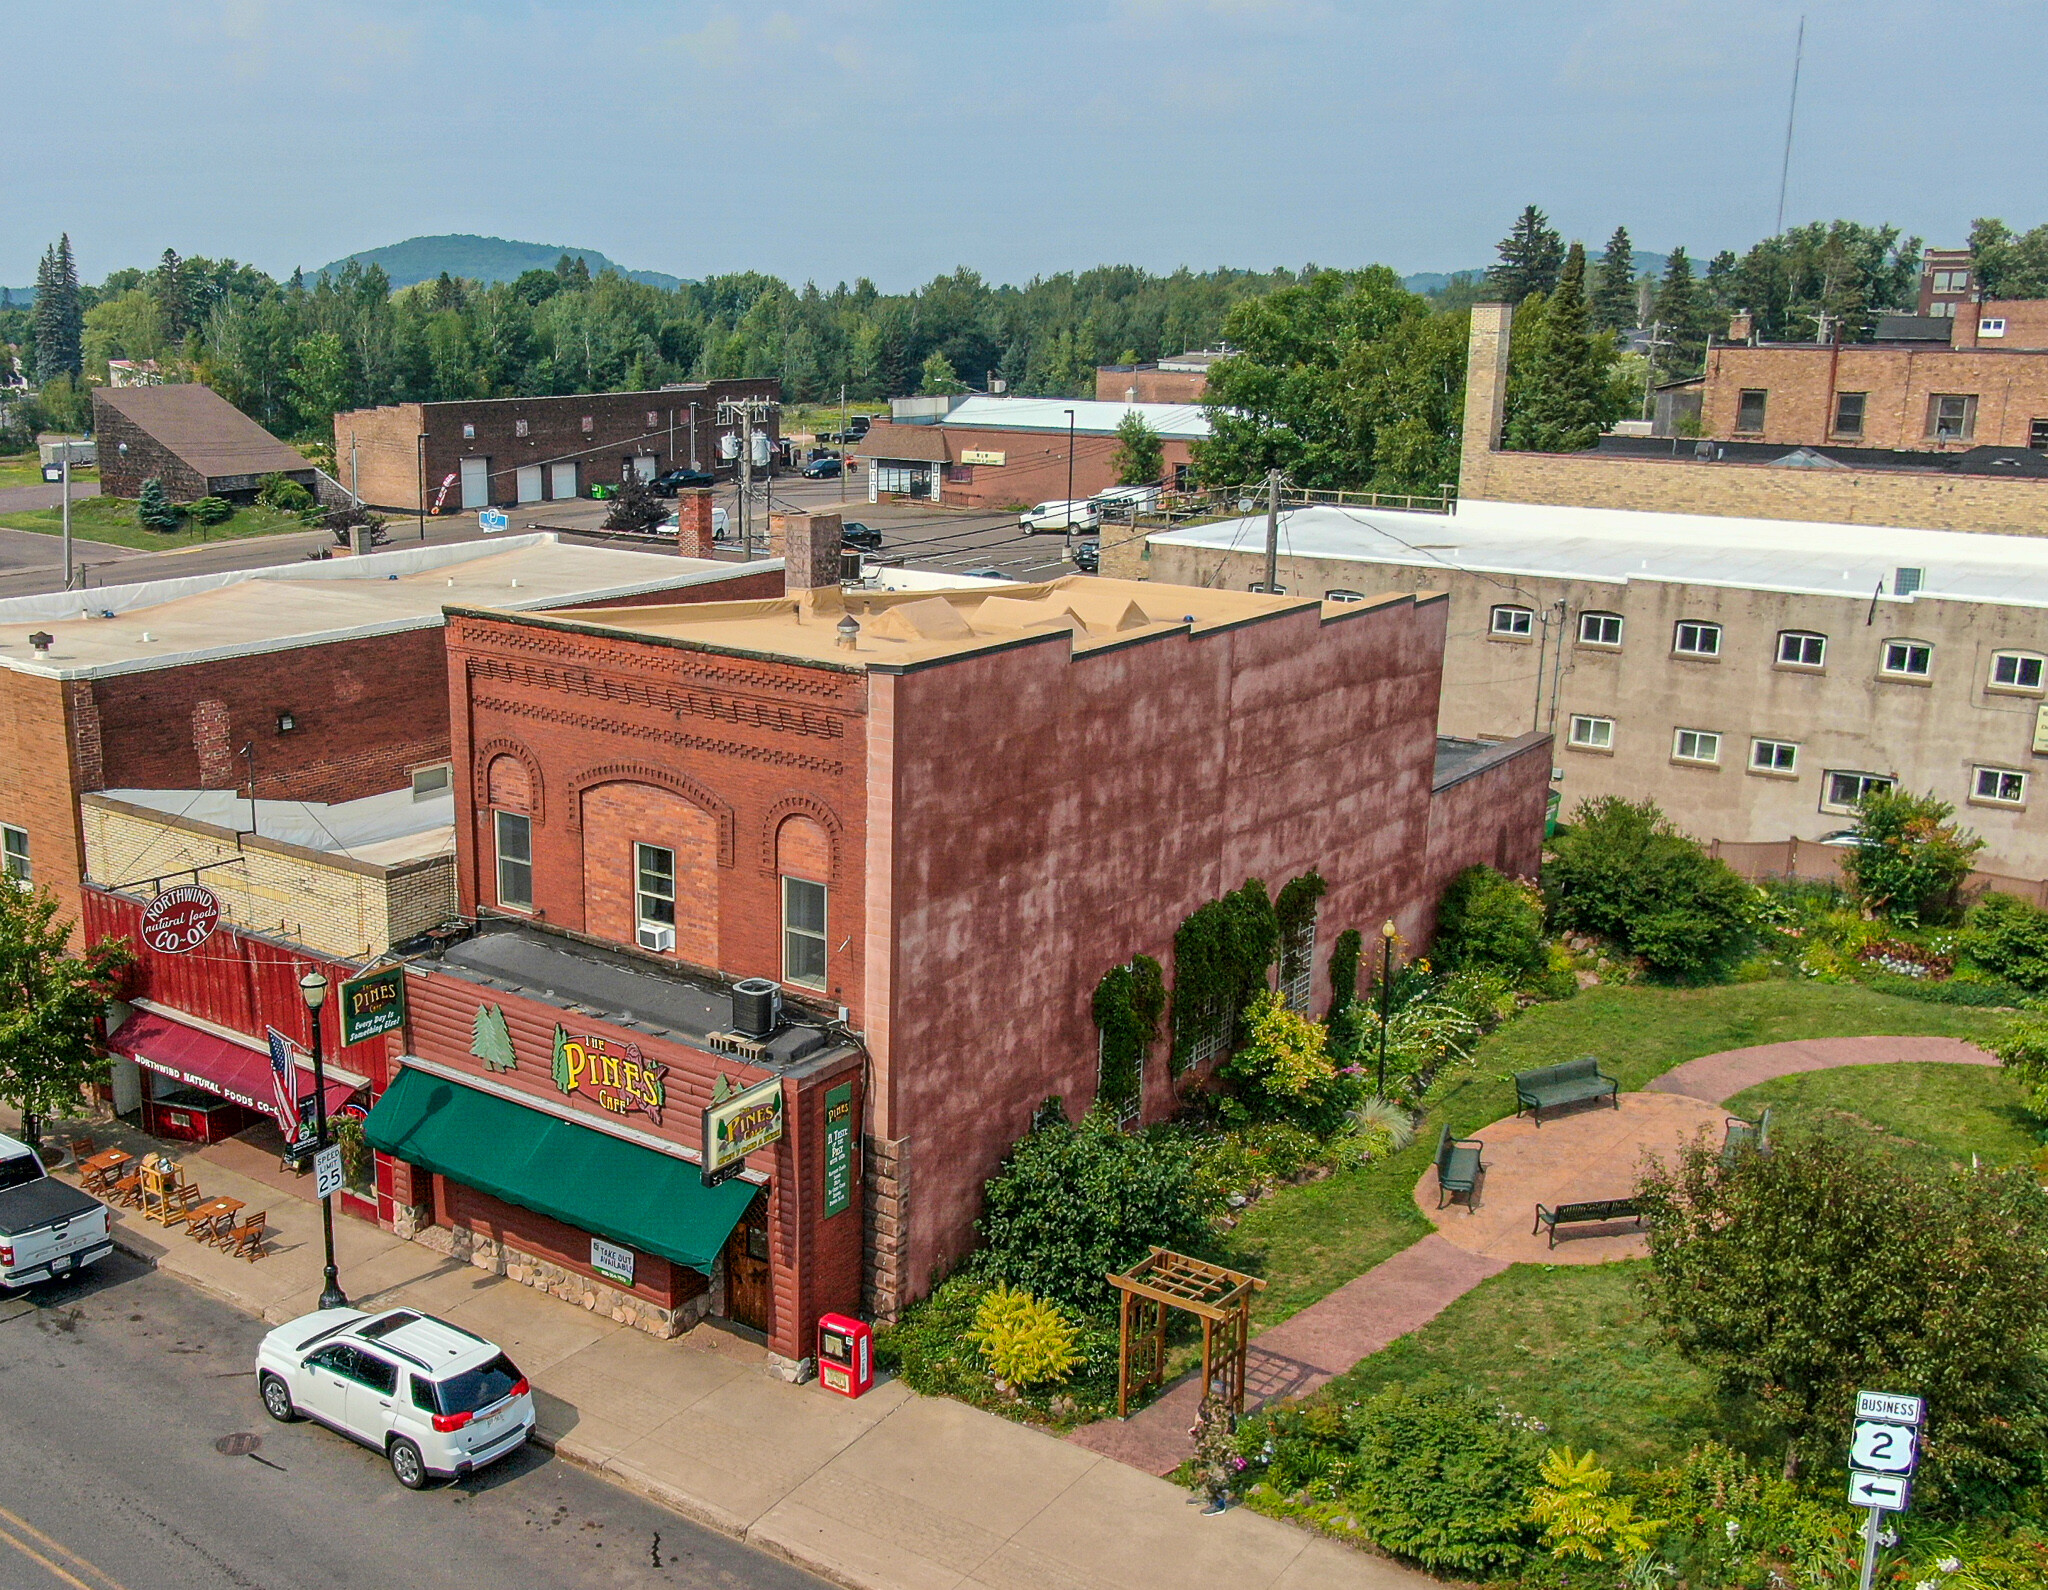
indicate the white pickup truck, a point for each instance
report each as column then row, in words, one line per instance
column 47, row 1227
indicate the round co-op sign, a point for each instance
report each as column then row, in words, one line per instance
column 180, row 919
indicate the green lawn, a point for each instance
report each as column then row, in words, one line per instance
column 112, row 519
column 1307, row 1241
column 1568, row 1344
column 26, row 469
column 1937, row 1114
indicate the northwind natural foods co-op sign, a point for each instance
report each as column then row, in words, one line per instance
column 181, row 919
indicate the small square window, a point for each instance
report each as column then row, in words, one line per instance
column 469, row 433
column 1600, row 629
column 1799, row 648
column 520, row 428
column 1593, row 734
column 1516, row 621
column 2015, row 670
column 1905, row 581
column 1696, row 745
column 1844, row 790
column 1749, row 410
column 1849, row 407
column 1909, row 659
column 1991, row 326
column 14, row 853
column 2037, row 435
column 653, row 420
column 2001, row 786
column 589, row 424
column 1697, row 640
column 1773, row 756
column 1343, row 596
column 427, row 782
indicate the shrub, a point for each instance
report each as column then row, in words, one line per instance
column 1487, row 920
column 2022, row 1048
column 1579, row 1516
column 343, row 522
column 2010, row 937
column 1344, row 957
column 284, row 494
column 155, row 509
column 932, row 1348
column 211, row 510
column 1025, row 1340
column 634, row 509
column 1909, row 862
column 1625, row 873
column 1284, row 1072
column 1070, row 1204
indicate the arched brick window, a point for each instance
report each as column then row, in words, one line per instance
column 508, row 788
column 803, row 849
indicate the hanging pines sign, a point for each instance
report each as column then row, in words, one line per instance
column 372, row 1005
column 614, row 1076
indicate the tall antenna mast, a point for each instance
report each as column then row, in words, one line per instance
column 1791, row 110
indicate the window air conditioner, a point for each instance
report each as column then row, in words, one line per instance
column 653, row 937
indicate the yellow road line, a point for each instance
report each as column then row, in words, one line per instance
column 58, row 1547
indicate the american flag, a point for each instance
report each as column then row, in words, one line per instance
column 281, row 1079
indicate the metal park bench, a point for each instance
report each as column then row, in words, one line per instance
column 1458, row 1168
column 1590, row 1213
column 1567, row 1082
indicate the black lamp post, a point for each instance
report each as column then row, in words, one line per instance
column 1387, row 937
column 313, row 988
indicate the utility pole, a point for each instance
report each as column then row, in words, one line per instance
column 743, row 412
column 67, row 515
column 1650, row 369
column 354, row 475
column 1069, row 504
column 1272, row 531
column 693, row 436
column 844, row 444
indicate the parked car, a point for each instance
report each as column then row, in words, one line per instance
column 987, row 571
column 436, row 1400
column 668, row 484
column 673, row 524
column 822, row 469
column 48, row 1228
column 1122, row 502
column 1088, row 556
column 855, row 534
column 1060, row 517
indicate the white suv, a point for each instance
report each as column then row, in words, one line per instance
column 434, row 1399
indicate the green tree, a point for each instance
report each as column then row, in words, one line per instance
column 171, row 286
column 155, row 510
column 59, row 315
column 1613, row 304
column 51, row 1002
column 1566, row 399
column 1487, row 920
column 1139, row 459
column 320, row 378
column 937, row 379
column 1800, row 1276
column 1679, row 313
column 2010, row 264
column 1624, row 872
column 1531, row 255
column 1910, row 861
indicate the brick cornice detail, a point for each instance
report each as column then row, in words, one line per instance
column 521, row 708
column 661, row 778
column 798, row 805
column 480, row 768
column 827, row 691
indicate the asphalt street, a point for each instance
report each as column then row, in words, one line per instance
column 134, row 1455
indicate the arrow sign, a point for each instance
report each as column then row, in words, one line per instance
column 1888, row 1491
column 1885, row 1448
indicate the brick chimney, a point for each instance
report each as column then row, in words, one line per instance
column 808, row 544
column 694, row 536
column 1741, row 326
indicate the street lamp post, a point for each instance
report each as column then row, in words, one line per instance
column 313, row 987
column 1070, row 485
column 1387, row 936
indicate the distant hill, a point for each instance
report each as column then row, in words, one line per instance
column 1437, row 281
column 479, row 259
column 20, row 297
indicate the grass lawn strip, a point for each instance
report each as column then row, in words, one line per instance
column 1307, row 1241
column 26, row 469
column 112, row 520
column 1936, row 1114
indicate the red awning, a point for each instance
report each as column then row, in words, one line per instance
column 201, row 1060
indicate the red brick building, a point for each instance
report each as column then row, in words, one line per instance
column 934, row 821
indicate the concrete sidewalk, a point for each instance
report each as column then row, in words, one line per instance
column 894, row 1491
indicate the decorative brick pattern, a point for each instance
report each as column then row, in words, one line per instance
column 616, row 817
column 802, row 850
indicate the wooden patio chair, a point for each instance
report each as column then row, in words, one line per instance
column 126, row 1188
column 82, row 1149
column 181, row 1200
column 248, row 1238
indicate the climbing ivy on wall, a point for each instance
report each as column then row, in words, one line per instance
column 1295, row 917
column 1129, row 1001
column 1344, row 958
column 1221, row 956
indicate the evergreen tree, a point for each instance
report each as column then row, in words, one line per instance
column 1530, row 257
column 50, row 1006
column 171, row 288
column 1613, row 302
column 1678, row 311
column 59, row 319
column 1564, row 402
column 155, row 509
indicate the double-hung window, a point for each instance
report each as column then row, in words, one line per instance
column 803, row 932
column 1749, row 411
column 14, row 853
column 514, row 833
column 1849, row 410
column 654, row 896
column 1951, row 416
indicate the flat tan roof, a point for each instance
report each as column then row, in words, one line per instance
column 910, row 627
column 252, row 611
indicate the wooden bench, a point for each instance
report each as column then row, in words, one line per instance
column 1458, row 1167
column 1567, row 1082
column 1589, row 1213
column 1738, row 1134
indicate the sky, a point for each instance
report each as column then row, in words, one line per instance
column 898, row 139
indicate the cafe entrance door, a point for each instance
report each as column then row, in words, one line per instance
column 746, row 1268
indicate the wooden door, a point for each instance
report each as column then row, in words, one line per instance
column 746, row 1268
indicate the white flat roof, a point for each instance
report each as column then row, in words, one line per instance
column 1617, row 545
column 380, row 829
column 118, row 629
column 1179, row 421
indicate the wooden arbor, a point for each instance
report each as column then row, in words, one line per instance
column 1163, row 1280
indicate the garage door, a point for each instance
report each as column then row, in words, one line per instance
column 643, row 466
column 529, row 482
column 563, row 486
column 476, row 483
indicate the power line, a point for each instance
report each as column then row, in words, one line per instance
column 1791, row 110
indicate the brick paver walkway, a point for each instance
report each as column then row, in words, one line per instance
column 1587, row 1154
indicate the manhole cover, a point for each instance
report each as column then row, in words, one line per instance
column 240, row 1444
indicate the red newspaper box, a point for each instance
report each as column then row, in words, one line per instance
column 846, row 1355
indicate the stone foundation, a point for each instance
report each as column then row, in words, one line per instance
column 882, row 1211
column 797, row 1371
column 487, row 1253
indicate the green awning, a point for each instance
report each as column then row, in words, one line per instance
column 587, row 1179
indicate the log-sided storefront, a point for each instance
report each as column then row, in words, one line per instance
column 546, row 1122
